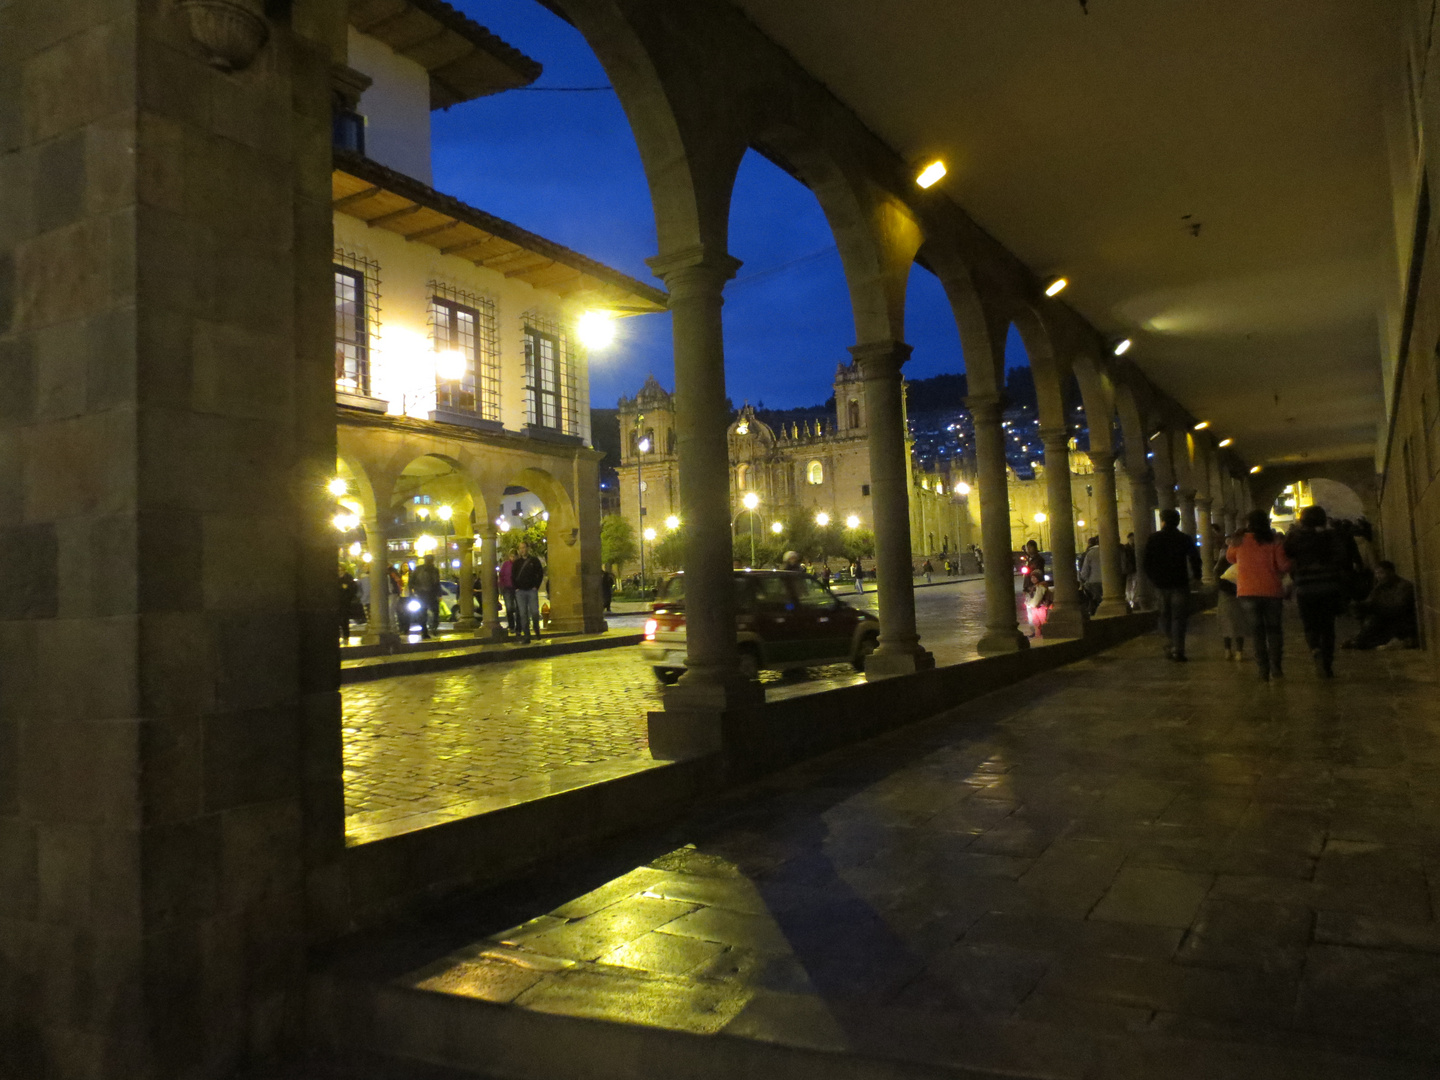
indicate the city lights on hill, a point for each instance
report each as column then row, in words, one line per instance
column 931, row 174
column 1056, row 287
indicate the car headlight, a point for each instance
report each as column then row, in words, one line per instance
column 414, row 605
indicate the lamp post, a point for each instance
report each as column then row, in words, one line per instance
column 751, row 501
column 642, row 447
column 648, row 537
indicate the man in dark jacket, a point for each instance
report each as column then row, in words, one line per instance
column 528, row 574
column 1171, row 562
column 425, row 587
column 1323, row 563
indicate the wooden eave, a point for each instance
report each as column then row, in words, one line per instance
column 465, row 61
column 399, row 204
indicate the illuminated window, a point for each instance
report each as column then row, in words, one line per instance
column 551, row 391
column 465, row 323
column 357, row 307
column 815, row 473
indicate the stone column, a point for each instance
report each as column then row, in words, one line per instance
column 490, row 628
column 1207, row 539
column 692, row 722
column 465, row 584
column 380, row 628
column 1002, row 633
column 1067, row 617
column 1142, row 518
column 1185, row 503
column 1107, row 515
column 899, row 652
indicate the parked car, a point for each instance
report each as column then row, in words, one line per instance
column 783, row 619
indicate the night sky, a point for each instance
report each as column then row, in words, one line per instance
column 565, row 165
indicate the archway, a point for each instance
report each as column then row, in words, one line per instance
column 431, row 519
column 533, row 506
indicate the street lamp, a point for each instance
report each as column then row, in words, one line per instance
column 853, row 521
column 776, row 528
column 822, row 519
column 751, row 501
column 649, row 537
column 642, row 447
column 672, row 523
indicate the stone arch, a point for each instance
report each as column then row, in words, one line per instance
column 1097, row 392
column 574, row 584
column 1048, row 364
column 876, row 234
column 1356, row 476
column 460, row 485
column 353, row 468
column 982, row 322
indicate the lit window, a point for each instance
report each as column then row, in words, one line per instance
column 815, row 473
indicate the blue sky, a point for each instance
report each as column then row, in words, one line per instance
column 565, row 165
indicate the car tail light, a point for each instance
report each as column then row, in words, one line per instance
column 650, row 627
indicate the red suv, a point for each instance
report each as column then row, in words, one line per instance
column 784, row 619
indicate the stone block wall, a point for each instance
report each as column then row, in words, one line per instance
column 169, row 737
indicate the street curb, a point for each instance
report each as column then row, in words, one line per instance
column 386, row 667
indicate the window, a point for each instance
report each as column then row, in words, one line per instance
column 742, row 476
column 814, row 473
column 864, row 489
column 347, row 130
column 813, row 595
column 464, row 323
column 357, row 287
column 551, row 393
column 854, row 410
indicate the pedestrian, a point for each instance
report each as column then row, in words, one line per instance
column 1171, row 562
column 396, row 589
column 825, row 573
column 348, row 592
column 1032, row 560
column 506, row 582
column 425, row 587
column 928, row 571
column 791, row 561
column 858, row 573
column 1388, row 613
column 1260, row 565
column 607, row 587
column 362, row 586
column 1091, row 583
column 1038, row 599
column 979, row 558
column 1323, row 563
column 1127, row 567
column 528, row 574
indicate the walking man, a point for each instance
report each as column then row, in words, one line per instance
column 528, row 574
column 1171, row 562
column 425, row 586
column 348, row 592
column 1323, row 563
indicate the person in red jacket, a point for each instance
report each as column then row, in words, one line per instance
column 1259, row 554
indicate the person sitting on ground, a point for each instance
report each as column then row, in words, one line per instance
column 1389, row 613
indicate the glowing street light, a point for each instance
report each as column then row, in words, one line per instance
column 345, row 522
column 1056, row 287
column 1080, row 524
column 450, row 365
column 822, row 519
column 1254, row 468
column 337, row 487
column 445, row 513
column 672, row 523
column 962, row 488
column 355, row 548
column 776, row 528
column 425, row 543
column 649, row 534
column 596, row 329
column 751, row 500
column 853, row 521
column 931, row 174
column 1040, row 519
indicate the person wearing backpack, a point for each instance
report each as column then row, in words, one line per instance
column 1260, row 564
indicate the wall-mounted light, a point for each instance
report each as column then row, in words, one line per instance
column 1123, row 347
column 931, row 174
column 1056, row 287
column 1039, row 519
column 337, row 487
column 962, row 488
column 596, row 329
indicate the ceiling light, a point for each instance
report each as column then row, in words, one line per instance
column 931, row 174
column 1056, row 287
column 1202, row 425
column 1254, row 468
column 1122, row 348
column 1225, row 442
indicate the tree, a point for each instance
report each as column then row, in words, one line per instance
column 859, row 543
column 668, row 552
column 617, row 542
column 534, row 534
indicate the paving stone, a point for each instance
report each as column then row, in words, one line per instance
column 665, row 954
column 1242, row 934
column 606, row 930
column 734, row 928
column 703, row 1008
column 1341, row 928
column 1153, row 896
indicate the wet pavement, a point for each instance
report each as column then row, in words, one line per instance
column 1124, row 868
column 421, row 748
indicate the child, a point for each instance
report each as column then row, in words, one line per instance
column 1038, row 598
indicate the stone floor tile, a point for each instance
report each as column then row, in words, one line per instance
column 986, row 978
column 485, row 978
column 1153, row 896
column 703, row 1008
column 1371, row 994
column 1085, row 1015
column 1247, row 935
column 663, row 954
column 734, row 928
column 607, row 929
column 1362, row 931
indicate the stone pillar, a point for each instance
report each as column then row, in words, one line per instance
column 1002, row 633
column 465, row 584
column 1142, row 519
column 692, row 722
column 899, row 652
column 171, row 809
column 1186, row 505
column 490, row 628
column 1067, row 617
column 1107, row 515
column 380, row 628
column 1207, row 539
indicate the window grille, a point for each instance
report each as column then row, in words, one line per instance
column 357, row 315
column 465, row 323
column 551, row 390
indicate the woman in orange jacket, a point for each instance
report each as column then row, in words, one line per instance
column 1258, row 552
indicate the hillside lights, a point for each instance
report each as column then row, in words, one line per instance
column 822, row 519
column 337, row 487
column 450, row 365
column 853, row 521
column 672, row 523
column 1056, row 287
column 1224, row 443
column 931, row 174
column 1123, row 347
column 596, row 329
